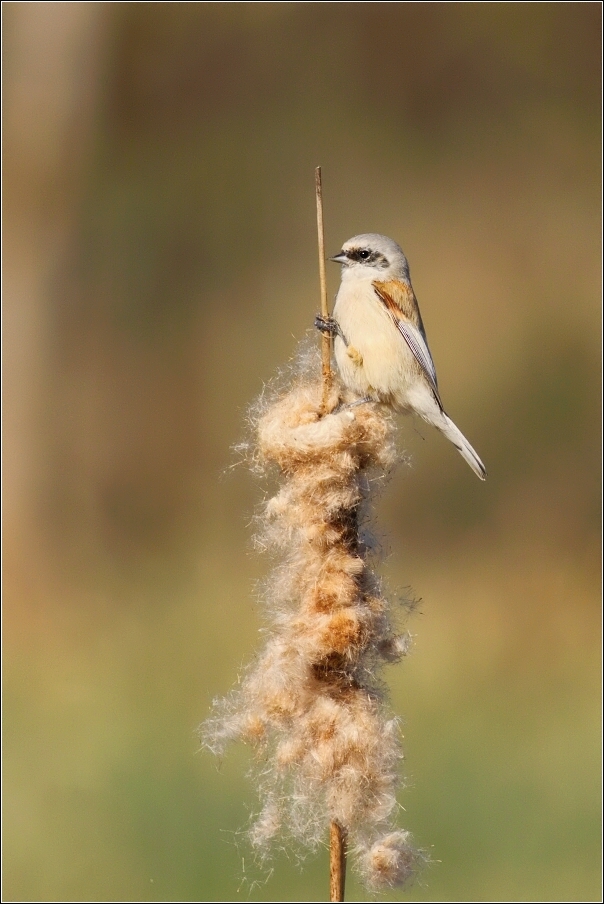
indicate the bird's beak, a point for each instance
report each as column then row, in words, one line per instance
column 339, row 258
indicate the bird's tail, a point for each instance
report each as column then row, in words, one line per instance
column 452, row 433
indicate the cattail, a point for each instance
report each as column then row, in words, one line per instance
column 312, row 705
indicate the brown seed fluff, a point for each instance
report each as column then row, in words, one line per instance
column 312, row 704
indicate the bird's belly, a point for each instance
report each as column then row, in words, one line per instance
column 377, row 361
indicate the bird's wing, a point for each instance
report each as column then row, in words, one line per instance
column 401, row 303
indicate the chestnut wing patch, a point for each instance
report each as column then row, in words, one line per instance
column 401, row 304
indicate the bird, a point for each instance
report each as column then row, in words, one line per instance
column 380, row 344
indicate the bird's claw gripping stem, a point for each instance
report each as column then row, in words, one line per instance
column 331, row 327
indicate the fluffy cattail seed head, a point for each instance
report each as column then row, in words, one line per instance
column 312, row 701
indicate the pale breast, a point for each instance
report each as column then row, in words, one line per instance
column 384, row 367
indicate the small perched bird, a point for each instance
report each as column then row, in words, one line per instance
column 379, row 340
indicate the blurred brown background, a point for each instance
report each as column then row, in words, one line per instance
column 159, row 265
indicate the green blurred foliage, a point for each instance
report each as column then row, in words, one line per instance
column 160, row 265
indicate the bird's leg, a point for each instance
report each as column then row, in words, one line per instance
column 331, row 327
column 344, row 407
column 359, row 402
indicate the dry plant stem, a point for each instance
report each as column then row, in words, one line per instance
column 325, row 338
column 337, row 835
column 337, row 861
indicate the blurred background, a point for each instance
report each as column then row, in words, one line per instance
column 159, row 266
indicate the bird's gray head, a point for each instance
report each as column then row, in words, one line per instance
column 372, row 255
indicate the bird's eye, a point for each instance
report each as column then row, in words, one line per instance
column 364, row 254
